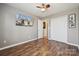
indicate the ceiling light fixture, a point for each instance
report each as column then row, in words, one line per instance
column 43, row 7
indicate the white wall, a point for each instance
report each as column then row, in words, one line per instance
column 1, row 26
column 11, row 33
column 73, row 33
column 59, row 30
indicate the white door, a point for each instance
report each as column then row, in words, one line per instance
column 45, row 30
column 40, row 29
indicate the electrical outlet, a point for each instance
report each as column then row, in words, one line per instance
column 5, row 41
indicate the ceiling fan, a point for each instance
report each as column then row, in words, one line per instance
column 43, row 7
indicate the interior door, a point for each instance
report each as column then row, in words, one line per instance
column 45, row 28
column 40, row 29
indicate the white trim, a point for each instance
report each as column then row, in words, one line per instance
column 67, row 43
column 16, row 44
column 32, row 40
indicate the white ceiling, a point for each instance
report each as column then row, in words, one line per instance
column 55, row 8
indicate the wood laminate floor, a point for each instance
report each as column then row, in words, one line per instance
column 38, row 48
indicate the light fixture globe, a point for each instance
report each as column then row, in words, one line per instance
column 43, row 9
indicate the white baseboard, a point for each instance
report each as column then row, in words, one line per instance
column 16, row 44
column 32, row 40
column 67, row 43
